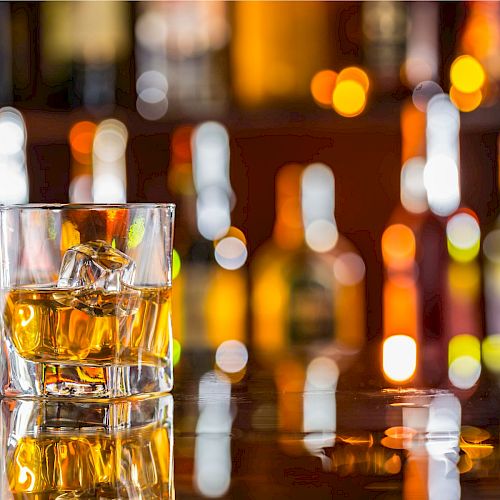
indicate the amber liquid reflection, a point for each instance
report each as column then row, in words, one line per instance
column 92, row 327
column 118, row 450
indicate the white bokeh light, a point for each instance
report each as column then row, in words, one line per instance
column 413, row 192
column 321, row 235
column 231, row 253
column 231, row 356
column 399, row 357
column 463, row 231
column 107, row 188
column 110, row 140
column 442, row 183
column 349, row 269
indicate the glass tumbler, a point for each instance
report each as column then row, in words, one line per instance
column 86, row 300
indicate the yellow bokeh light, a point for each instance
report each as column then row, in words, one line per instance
column 463, row 237
column 466, row 102
column 466, row 74
column 355, row 74
column 349, row 98
column 399, row 357
column 464, row 360
column 322, row 86
column 491, row 352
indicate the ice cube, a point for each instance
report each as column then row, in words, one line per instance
column 96, row 264
column 101, row 277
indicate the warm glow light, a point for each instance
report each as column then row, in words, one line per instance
column 349, row 269
column 81, row 138
column 231, row 253
column 231, row 356
column 322, row 86
column 349, row 98
column 288, row 230
column 399, row 357
column 235, row 233
column 413, row 192
column 464, row 361
column 465, row 102
column 463, row 237
column 398, row 246
column 181, row 143
column 355, row 74
column 466, row 74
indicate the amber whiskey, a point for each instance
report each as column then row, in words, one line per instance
column 133, row 464
column 89, row 327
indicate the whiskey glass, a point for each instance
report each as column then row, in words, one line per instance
column 85, row 294
column 53, row 449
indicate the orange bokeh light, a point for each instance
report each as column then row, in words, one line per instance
column 322, row 87
column 466, row 102
column 398, row 246
column 181, row 144
column 81, row 139
column 355, row 74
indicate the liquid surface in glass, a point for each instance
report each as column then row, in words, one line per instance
column 89, row 326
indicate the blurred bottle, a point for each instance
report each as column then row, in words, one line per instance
column 384, row 31
column 308, row 281
column 181, row 55
column 491, row 265
column 83, row 45
column 81, row 139
column 211, row 286
column 275, row 51
column 402, row 316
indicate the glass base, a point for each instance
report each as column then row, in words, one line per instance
column 23, row 378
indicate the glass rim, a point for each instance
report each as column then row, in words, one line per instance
column 86, row 206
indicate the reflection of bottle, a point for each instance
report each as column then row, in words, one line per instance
column 101, row 450
column 210, row 303
column 308, row 284
column 401, row 298
column 491, row 254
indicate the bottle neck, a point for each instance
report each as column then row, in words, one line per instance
column 288, row 230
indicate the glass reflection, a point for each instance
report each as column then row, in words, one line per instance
column 54, row 449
